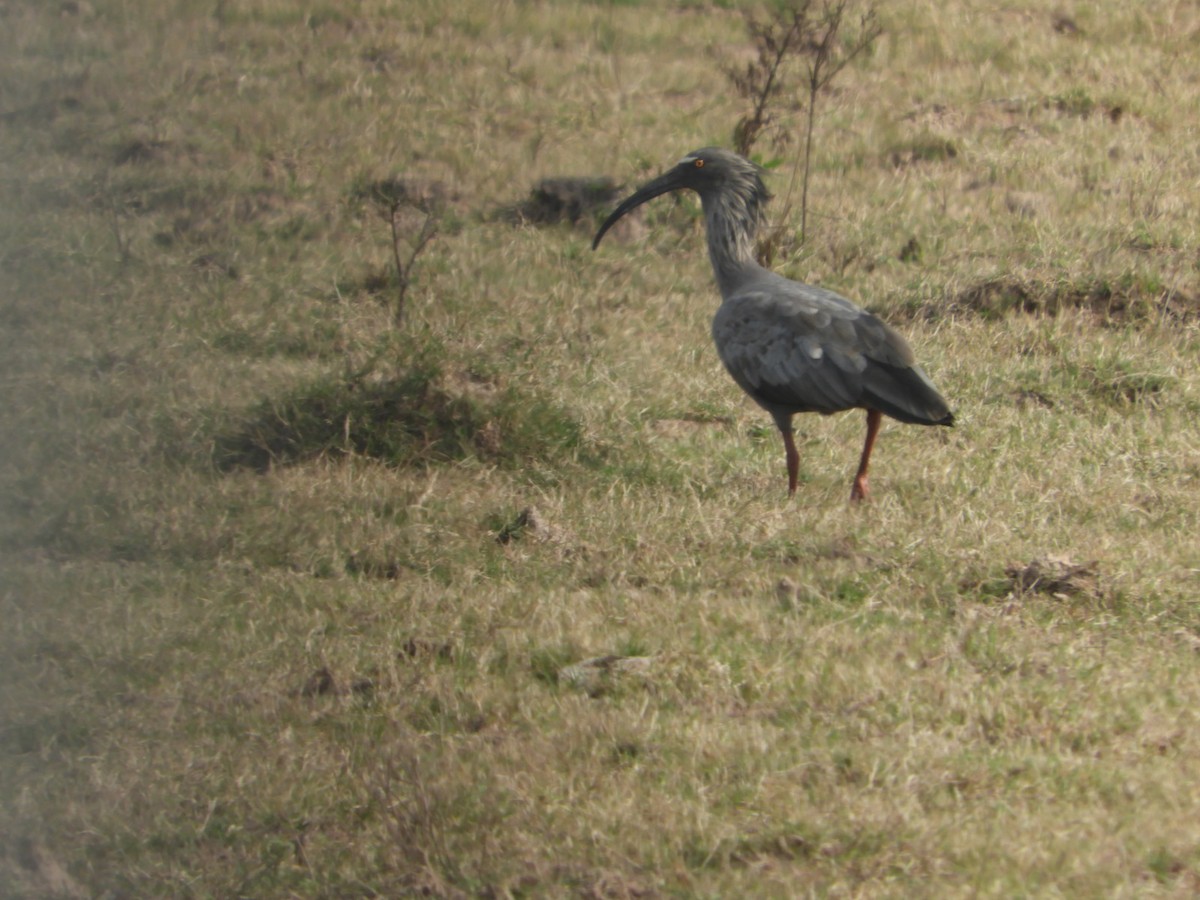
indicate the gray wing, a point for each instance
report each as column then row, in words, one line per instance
column 798, row 348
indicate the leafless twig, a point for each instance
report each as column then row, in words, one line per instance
column 404, row 267
column 826, row 58
column 808, row 30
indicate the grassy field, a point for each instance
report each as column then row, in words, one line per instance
column 506, row 598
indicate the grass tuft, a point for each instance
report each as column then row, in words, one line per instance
column 1121, row 299
column 411, row 419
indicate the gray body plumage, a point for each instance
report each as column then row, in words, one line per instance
column 797, row 348
column 792, row 347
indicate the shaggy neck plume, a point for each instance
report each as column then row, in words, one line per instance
column 733, row 212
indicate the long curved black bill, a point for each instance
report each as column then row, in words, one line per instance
column 669, row 181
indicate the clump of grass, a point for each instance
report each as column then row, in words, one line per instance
column 411, row 418
column 1124, row 298
column 923, row 148
column 1121, row 383
column 566, row 199
column 1075, row 102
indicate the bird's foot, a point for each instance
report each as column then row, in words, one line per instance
column 858, row 492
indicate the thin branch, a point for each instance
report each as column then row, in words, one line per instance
column 825, row 63
column 762, row 79
column 809, row 31
column 404, row 268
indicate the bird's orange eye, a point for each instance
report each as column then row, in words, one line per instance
column 699, row 164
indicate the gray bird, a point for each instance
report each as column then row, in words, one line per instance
column 792, row 347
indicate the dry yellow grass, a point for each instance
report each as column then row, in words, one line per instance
column 349, row 673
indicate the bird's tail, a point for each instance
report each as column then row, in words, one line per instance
column 907, row 395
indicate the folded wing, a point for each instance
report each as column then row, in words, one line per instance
column 796, row 348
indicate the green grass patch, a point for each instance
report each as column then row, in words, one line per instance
column 410, row 419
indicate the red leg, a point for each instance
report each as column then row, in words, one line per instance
column 793, row 459
column 859, row 491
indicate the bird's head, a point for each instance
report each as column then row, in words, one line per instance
column 710, row 172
